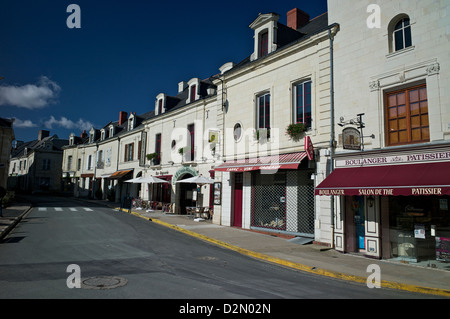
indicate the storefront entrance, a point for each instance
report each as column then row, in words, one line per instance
column 402, row 199
column 186, row 191
column 238, row 183
column 355, row 224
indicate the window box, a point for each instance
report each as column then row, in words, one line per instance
column 295, row 130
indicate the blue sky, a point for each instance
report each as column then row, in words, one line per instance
column 125, row 53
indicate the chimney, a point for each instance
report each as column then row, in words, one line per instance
column 181, row 86
column 43, row 134
column 84, row 134
column 122, row 117
column 297, row 18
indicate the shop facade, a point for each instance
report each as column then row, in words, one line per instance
column 271, row 194
column 393, row 204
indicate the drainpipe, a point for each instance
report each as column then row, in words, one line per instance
column 332, row 137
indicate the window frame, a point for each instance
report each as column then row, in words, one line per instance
column 295, row 106
column 157, row 160
column 191, row 131
column 263, row 43
column 129, row 149
column 407, row 117
column 404, row 30
column 267, row 110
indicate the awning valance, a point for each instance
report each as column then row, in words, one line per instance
column 120, row 174
column 273, row 162
column 389, row 180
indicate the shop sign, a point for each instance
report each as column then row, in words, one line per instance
column 309, row 149
column 400, row 191
column 351, row 139
column 410, row 158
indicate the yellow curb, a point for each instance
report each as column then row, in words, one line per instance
column 305, row 268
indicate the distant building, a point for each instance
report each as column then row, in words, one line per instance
column 37, row 165
column 6, row 138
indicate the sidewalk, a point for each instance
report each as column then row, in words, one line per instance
column 11, row 216
column 310, row 258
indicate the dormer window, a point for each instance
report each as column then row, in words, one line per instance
column 102, row 134
column 193, row 92
column 265, row 38
column 263, row 43
column 111, row 131
column 194, row 85
column 131, row 122
column 92, row 136
column 160, row 104
column 72, row 139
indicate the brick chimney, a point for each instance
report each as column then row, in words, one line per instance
column 297, row 18
column 84, row 134
column 43, row 134
column 122, row 117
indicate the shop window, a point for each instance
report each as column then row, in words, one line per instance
column 302, row 103
column 407, row 116
column 419, row 229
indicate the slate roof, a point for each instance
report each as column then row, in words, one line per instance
column 287, row 36
column 57, row 145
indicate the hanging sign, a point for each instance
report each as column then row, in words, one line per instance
column 351, row 139
column 309, row 149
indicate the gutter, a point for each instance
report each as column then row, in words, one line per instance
column 332, row 135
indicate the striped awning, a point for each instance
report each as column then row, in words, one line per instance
column 272, row 162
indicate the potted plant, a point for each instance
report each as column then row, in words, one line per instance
column 151, row 156
column 294, row 130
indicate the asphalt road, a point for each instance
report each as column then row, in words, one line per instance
column 120, row 256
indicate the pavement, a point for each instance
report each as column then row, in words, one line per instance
column 310, row 258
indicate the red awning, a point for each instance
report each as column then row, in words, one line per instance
column 394, row 180
column 273, row 162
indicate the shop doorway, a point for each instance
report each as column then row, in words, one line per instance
column 355, row 224
column 238, row 183
column 186, row 191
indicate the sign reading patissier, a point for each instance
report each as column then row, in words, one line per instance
column 387, row 160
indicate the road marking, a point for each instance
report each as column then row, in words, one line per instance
column 73, row 209
column 87, row 209
column 58, row 209
column 42, row 209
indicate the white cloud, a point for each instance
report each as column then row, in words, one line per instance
column 23, row 124
column 30, row 96
column 68, row 124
